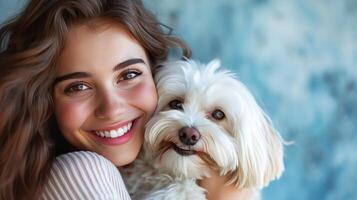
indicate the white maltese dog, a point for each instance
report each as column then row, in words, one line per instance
column 205, row 120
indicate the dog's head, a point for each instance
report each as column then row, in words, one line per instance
column 207, row 119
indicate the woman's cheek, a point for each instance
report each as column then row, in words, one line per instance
column 71, row 115
column 145, row 96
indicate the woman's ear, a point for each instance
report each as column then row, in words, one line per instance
column 259, row 145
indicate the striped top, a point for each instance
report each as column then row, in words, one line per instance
column 84, row 175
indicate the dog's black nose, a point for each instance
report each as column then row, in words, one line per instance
column 189, row 135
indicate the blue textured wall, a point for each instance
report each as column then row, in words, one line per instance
column 299, row 58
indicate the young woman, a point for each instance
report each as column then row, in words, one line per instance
column 75, row 75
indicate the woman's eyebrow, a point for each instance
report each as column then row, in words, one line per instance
column 119, row 66
column 72, row 76
column 127, row 63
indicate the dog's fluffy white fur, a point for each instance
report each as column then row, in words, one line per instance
column 243, row 145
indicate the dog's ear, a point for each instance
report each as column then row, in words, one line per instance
column 213, row 65
column 259, row 145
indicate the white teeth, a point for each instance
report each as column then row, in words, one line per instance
column 115, row 133
column 120, row 132
column 105, row 133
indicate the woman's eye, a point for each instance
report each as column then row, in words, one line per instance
column 76, row 87
column 130, row 74
column 176, row 104
column 218, row 115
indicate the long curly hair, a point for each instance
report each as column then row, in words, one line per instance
column 30, row 43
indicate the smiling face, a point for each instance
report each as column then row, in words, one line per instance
column 104, row 92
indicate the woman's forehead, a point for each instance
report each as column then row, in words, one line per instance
column 103, row 46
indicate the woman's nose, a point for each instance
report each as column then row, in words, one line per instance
column 110, row 105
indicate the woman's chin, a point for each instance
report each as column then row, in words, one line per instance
column 124, row 160
column 124, row 156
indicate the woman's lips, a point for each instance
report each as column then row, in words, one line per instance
column 114, row 132
column 115, row 135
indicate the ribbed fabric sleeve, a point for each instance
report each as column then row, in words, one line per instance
column 84, row 175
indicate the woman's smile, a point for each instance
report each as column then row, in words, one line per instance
column 115, row 135
column 114, row 132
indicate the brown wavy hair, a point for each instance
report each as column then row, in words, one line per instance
column 29, row 46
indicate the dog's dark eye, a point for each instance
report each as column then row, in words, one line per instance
column 176, row 104
column 218, row 115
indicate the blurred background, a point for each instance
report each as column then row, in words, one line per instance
column 299, row 59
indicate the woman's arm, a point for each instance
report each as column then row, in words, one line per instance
column 84, row 175
column 216, row 189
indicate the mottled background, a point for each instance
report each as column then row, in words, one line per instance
column 299, row 59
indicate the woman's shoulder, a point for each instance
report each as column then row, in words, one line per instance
column 84, row 175
column 85, row 162
column 83, row 159
column 84, row 156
